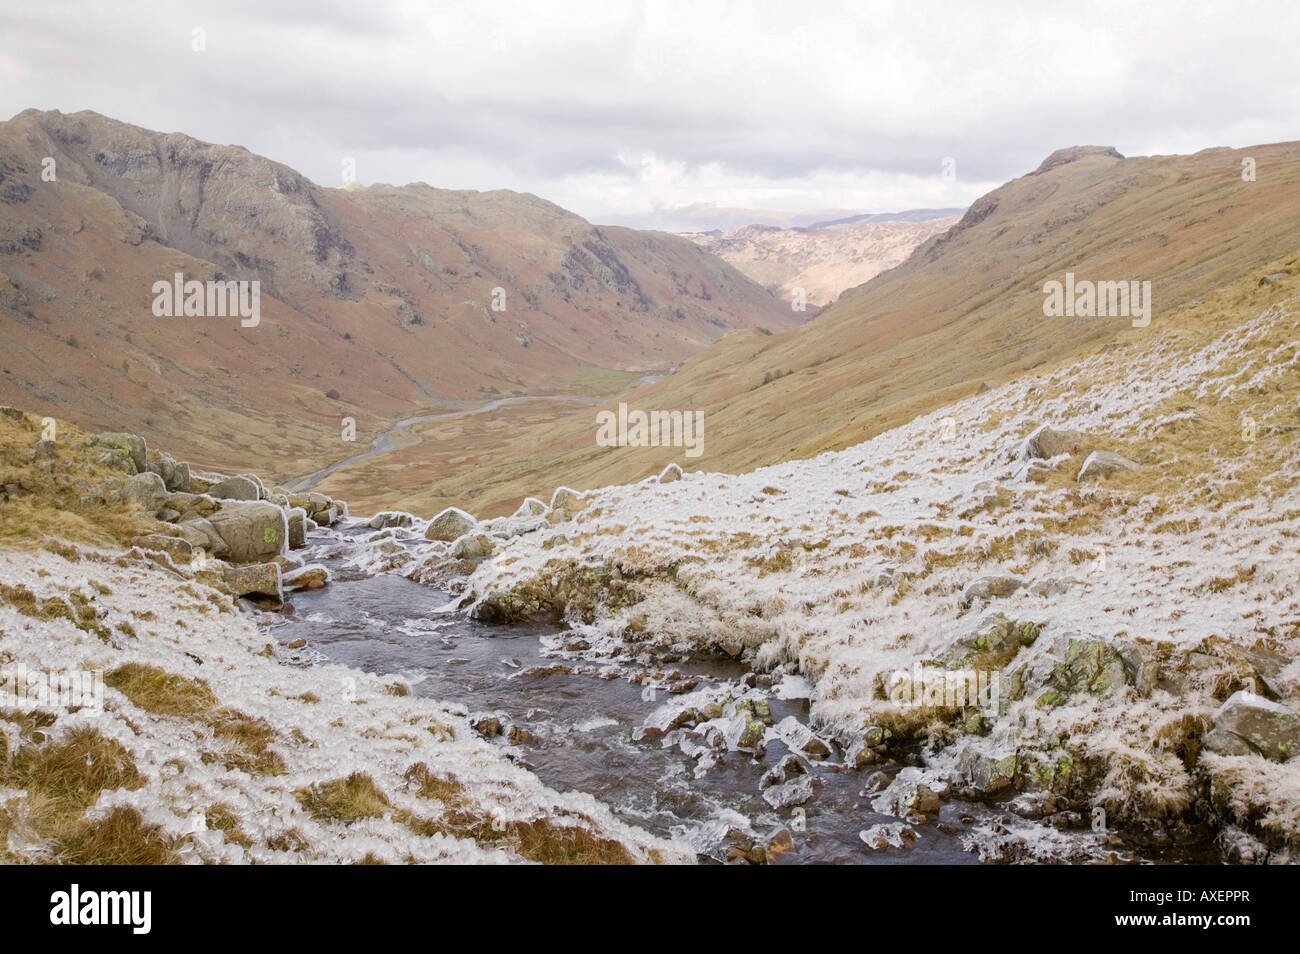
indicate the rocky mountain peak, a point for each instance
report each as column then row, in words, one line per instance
column 1070, row 154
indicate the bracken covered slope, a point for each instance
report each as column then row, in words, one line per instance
column 375, row 301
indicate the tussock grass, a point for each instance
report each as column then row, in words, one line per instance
column 121, row 837
column 247, row 739
column 566, row 838
column 220, row 817
column 61, row 497
column 344, row 799
column 160, row 692
column 60, row 780
column 72, row 772
column 72, row 606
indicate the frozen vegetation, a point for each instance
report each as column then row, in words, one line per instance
column 1140, row 616
column 1113, row 542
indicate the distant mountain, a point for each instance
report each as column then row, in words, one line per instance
column 824, row 260
column 374, row 301
column 911, row 215
column 706, row 217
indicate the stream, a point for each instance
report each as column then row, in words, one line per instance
column 576, row 730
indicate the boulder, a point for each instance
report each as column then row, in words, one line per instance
column 794, row 792
column 790, row 767
column 145, row 490
column 986, row 772
column 174, row 474
column 449, row 525
column 798, row 736
column 235, row 488
column 1269, row 728
column 258, row 579
column 191, row 505
column 313, row 576
column 1053, row 586
column 178, row 548
column 390, row 518
column 1090, row 666
column 321, row 508
column 889, row 835
column 1103, row 464
column 472, row 546
column 531, row 507
column 1047, row 442
column 907, row 793
column 992, row 644
column 128, row 447
column 503, row 528
column 255, row 531
column 1072, row 664
column 669, row 474
column 296, row 519
column 200, row 533
column 288, row 563
column 990, row 587
column 202, row 480
column 1268, row 666
column 565, row 502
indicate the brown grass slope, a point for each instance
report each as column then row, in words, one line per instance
column 380, row 294
column 965, row 308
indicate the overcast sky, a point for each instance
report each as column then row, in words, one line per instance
column 621, row 110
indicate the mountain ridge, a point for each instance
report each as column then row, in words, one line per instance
column 377, row 301
column 963, row 311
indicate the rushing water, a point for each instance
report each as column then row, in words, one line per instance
column 582, row 725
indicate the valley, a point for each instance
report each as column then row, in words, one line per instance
column 474, row 612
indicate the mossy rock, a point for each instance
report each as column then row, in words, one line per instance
column 992, row 644
column 126, row 451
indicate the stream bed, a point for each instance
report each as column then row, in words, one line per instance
column 578, row 726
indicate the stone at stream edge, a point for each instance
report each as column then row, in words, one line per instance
column 450, row 524
column 1250, row 723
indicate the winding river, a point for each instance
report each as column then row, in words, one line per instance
column 384, row 442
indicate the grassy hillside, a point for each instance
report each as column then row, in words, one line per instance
column 964, row 311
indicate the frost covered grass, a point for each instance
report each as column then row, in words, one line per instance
column 60, row 781
column 210, row 749
column 1154, row 592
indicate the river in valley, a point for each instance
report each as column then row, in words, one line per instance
column 385, row 441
